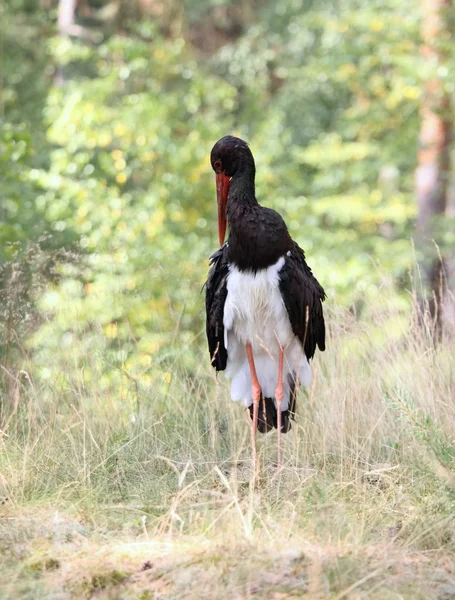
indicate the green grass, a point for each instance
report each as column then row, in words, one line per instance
column 145, row 491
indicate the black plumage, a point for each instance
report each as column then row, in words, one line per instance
column 215, row 297
column 303, row 296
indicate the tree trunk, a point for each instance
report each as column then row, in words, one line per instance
column 66, row 26
column 66, row 12
column 433, row 172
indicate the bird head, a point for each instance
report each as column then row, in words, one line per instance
column 230, row 156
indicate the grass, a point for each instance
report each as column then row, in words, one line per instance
column 145, row 491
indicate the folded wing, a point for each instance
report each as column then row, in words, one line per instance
column 303, row 297
column 215, row 298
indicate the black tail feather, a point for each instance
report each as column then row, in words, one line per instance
column 267, row 418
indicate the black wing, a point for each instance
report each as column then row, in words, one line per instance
column 303, row 297
column 215, row 297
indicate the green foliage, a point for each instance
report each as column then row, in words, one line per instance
column 17, row 193
column 130, row 158
column 104, row 143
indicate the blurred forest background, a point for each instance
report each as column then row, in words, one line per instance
column 125, row 470
column 108, row 111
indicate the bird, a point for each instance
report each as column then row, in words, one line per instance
column 264, row 314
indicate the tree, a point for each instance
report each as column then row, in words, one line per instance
column 433, row 171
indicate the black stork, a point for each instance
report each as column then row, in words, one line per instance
column 263, row 303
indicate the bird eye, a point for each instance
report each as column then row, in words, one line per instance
column 217, row 165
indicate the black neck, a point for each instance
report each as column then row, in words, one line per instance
column 241, row 198
column 258, row 236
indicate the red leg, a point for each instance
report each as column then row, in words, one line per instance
column 256, row 393
column 279, row 399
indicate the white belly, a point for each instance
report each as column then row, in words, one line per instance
column 254, row 312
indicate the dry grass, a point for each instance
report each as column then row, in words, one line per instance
column 146, row 492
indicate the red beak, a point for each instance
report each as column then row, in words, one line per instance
column 222, row 189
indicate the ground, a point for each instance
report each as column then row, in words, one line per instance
column 148, row 493
column 48, row 553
